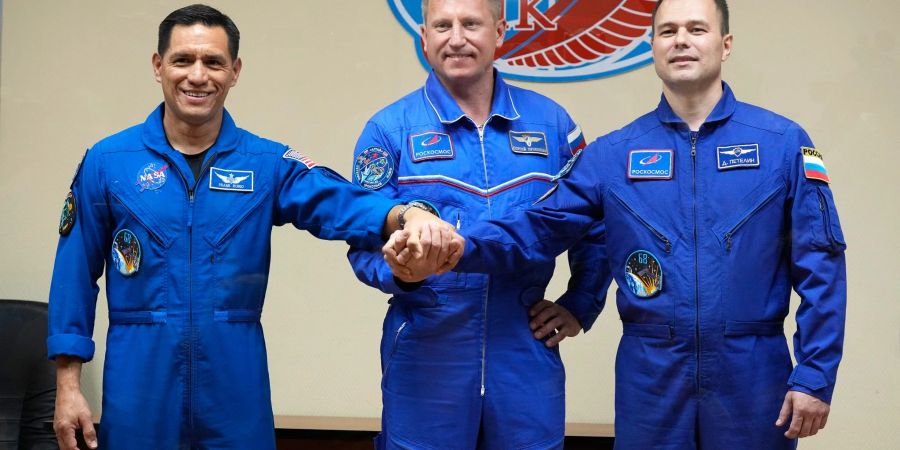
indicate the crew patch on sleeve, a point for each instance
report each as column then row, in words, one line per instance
column 576, row 140
column 299, row 157
column 67, row 217
column 373, row 168
column 813, row 166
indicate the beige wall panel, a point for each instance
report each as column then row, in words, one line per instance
column 76, row 71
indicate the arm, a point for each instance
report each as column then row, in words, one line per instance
column 818, row 272
column 535, row 235
column 80, row 257
column 72, row 410
column 585, row 296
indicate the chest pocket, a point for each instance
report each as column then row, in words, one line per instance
column 145, row 290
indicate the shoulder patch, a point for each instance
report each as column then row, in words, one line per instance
column 813, row 165
column 567, row 168
column 299, row 157
column 576, row 140
column 67, row 217
column 373, row 168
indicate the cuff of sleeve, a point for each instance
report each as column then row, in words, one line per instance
column 810, row 381
column 403, row 286
column 71, row 345
column 465, row 262
column 581, row 305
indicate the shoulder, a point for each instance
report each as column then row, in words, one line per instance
column 126, row 139
column 762, row 119
column 634, row 130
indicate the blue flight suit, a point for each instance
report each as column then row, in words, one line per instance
column 707, row 234
column 187, row 262
column 458, row 357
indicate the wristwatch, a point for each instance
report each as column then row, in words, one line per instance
column 423, row 205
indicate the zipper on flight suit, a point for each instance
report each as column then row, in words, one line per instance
column 190, row 226
column 488, row 277
column 730, row 233
column 826, row 217
column 657, row 233
column 695, row 135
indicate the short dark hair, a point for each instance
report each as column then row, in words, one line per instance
column 202, row 14
column 721, row 6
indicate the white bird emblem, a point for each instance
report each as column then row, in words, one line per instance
column 528, row 140
column 231, row 179
column 738, row 151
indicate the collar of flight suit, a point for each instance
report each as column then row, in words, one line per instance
column 722, row 111
column 154, row 135
column 448, row 111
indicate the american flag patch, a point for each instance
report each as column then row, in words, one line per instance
column 813, row 166
column 576, row 140
column 297, row 156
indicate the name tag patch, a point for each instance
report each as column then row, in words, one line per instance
column 431, row 145
column 650, row 165
column 230, row 180
column 735, row 156
column 528, row 142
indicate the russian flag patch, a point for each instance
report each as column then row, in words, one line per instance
column 576, row 140
column 813, row 166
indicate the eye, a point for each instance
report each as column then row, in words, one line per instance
column 471, row 24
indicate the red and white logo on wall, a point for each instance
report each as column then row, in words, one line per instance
column 561, row 40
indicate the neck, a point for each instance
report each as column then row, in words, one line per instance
column 189, row 138
column 474, row 99
column 692, row 103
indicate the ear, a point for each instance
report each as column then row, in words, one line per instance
column 422, row 39
column 156, row 60
column 727, row 42
column 236, row 67
column 501, row 32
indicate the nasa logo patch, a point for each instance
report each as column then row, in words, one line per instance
column 431, row 145
column 735, row 156
column 230, row 180
column 67, row 217
column 126, row 253
column 643, row 274
column 650, row 165
column 528, row 142
column 561, row 40
column 152, row 176
column 373, row 168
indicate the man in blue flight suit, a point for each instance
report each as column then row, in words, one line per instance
column 461, row 368
column 180, row 209
column 714, row 211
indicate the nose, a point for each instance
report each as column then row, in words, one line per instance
column 681, row 37
column 457, row 36
column 197, row 73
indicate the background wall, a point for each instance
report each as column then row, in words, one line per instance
column 76, row 71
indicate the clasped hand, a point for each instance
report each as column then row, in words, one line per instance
column 425, row 247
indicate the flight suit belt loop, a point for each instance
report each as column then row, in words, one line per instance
column 732, row 328
column 161, row 317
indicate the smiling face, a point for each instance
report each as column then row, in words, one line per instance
column 688, row 45
column 196, row 72
column 460, row 38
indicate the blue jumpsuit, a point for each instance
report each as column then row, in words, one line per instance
column 707, row 235
column 187, row 263
column 461, row 369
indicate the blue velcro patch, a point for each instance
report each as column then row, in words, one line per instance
column 431, row 145
column 373, row 168
column 735, row 156
column 528, row 142
column 650, row 165
column 230, row 180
